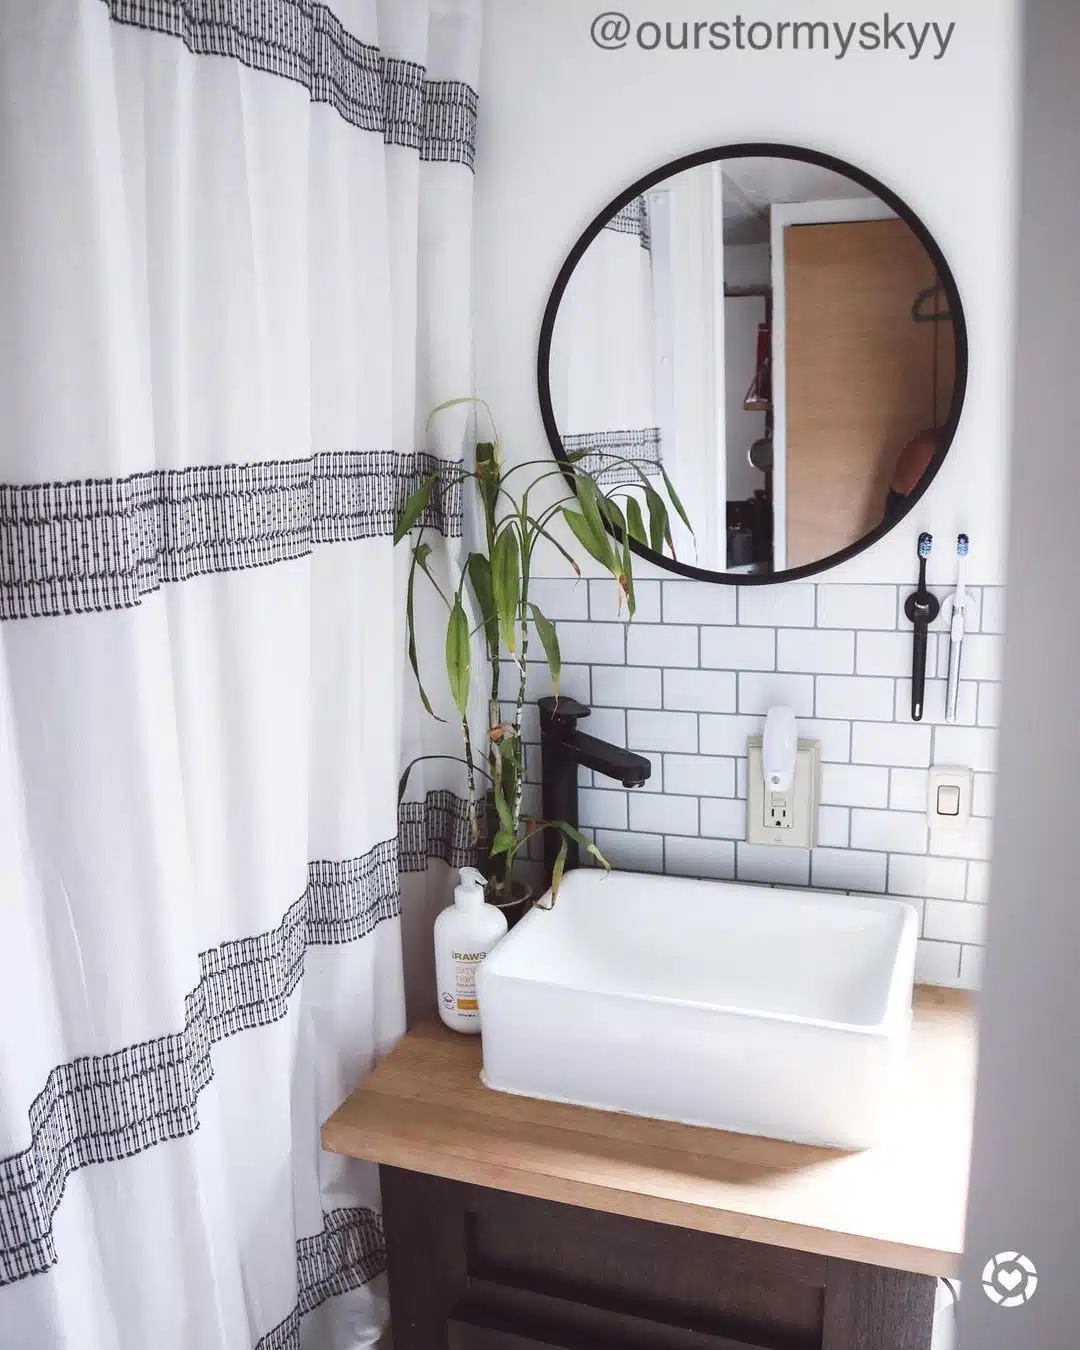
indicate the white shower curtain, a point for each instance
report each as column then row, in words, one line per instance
column 234, row 277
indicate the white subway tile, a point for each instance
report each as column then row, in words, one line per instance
column 698, row 602
column 972, row 960
column 889, row 831
column 955, row 921
column 656, row 644
column 742, row 774
column 937, row 963
column 713, row 859
column 779, row 866
column 600, row 809
column 817, row 651
column 700, row 775
column 626, row 687
column 903, row 745
column 908, row 789
column 844, row 869
column 889, row 653
column 978, row 882
column 632, row 852
column 833, row 737
column 854, row 785
column 867, row 698
column 609, row 724
column 664, row 731
column 557, row 599
column 711, row 691
column 975, row 841
column 993, row 610
column 604, row 601
column 758, row 692
column 989, row 705
column 727, row 734
column 944, row 878
column 658, row 813
column 980, row 657
column 983, row 794
column 833, row 827
column 788, row 606
column 975, row 747
column 593, row 644
column 723, row 818
column 738, row 648
column 934, row 697
column 856, row 606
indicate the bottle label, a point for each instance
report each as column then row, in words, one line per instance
column 465, row 964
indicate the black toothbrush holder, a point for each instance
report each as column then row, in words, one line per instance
column 922, row 609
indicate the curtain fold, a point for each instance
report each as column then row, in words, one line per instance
column 236, row 269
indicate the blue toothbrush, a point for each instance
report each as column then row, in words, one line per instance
column 922, row 609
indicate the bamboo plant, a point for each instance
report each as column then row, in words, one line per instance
column 494, row 590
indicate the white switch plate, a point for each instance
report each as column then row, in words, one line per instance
column 805, row 795
column 946, row 776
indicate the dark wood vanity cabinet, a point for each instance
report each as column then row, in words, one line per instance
column 471, row 1268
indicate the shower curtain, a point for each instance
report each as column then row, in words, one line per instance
column 603, row 358
column 234, row 277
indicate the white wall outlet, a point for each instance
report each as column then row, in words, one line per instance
column 784, row 818
column 948, row 798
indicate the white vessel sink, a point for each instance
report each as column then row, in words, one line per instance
column 772, row 1012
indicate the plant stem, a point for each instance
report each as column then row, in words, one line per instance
column 519, row 766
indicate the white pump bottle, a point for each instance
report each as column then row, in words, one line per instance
column 464, row 934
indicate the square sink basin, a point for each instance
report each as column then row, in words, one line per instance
column 767, row 1011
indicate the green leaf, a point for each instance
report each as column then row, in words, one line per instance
column 609, row 508
column 419, row 556
column 589, row 500
column 626, row 579
column 659, row 528
column 458, row 656
column 479, row 569
column 506, row 584
column 557, row 871
column 575, row 834
column 550, row 641
column 502, row 806
column 670, row 486
column 634, row 521
column 503, row 842
column 488, row 475
column 584, row 535
column 415, row 507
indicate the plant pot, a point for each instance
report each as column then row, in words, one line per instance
column 516, row 906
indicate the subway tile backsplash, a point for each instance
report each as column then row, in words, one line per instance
column 690, row 679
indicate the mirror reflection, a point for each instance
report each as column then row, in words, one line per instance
column 778, row 338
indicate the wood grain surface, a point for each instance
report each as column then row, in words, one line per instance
column 899, row 1205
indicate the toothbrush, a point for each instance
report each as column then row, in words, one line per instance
column 956, row 630
column 922, row 609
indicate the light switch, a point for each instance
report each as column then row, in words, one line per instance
column 948, row 801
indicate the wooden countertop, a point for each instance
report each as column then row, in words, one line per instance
column 900, row 1204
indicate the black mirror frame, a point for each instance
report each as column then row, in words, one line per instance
column 744, row 150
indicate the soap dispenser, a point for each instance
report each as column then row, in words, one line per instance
column 464, row 934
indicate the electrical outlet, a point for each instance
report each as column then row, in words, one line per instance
column 785, row 818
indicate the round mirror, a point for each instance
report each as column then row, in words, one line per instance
column 771, row 336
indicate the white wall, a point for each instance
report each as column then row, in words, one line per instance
column 1025, row 1184
column 565, row 126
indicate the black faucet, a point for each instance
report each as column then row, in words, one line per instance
column 562, row 749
